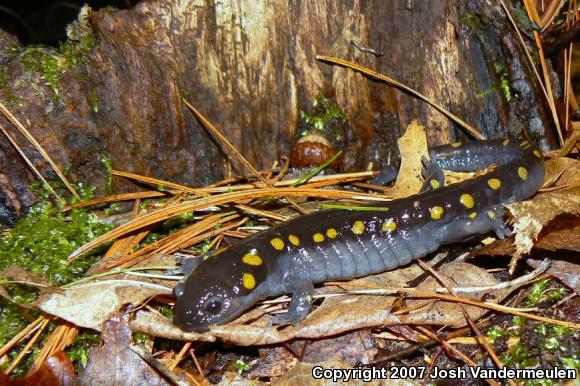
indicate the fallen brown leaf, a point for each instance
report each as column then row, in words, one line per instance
column 352, row 348
column 273, row 362
column 447, row 313
column 301, row 374
column 56, row 370
column 566, row 271
column 115, row 363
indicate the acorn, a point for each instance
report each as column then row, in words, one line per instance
column 311, row 150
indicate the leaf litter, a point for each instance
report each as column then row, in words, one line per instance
column 341, row 310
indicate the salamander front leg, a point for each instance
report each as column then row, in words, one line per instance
column 300, row 305
column 186, row 265
column 432, row 174
column 495, row 214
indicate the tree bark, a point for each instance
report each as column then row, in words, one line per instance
column 250, row 67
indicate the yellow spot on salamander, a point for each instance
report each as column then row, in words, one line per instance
column 506, row 141
column 523, row 173
column 435, row 184
column 277, row 243
column 467, row 200
column 456, row 144
column 248, row 281
column 331, row 233
column 294, row 240
column 389, row 225
column 252, row 259
column 524, row 143
column 436, row 212
column 472, row 215
column 318, row 237
column 494, row 183
column 538, row 153
column 358, row 227
column 491, row 214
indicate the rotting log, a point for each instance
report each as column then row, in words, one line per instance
column 115, row 89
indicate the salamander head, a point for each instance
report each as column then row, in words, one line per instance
column 212, row 295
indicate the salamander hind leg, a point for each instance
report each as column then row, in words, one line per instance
column 300, row 305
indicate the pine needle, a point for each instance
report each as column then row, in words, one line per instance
column 392, row 82
column 39, row 148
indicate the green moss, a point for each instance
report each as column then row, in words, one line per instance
column 45, row 61
column 324, row 118
column 240, row 366
column 556, row 345
column 541, row 291
column 79, row 351
column 11, row 321
column 106, row 160
column 40, row 243
column 504, row 81
column 471, row 21
column 166, row 311
column 495, row 332
column 141, row 337
column 51, row 63
column 503, row 84
column 94, row 100
column 11, row 98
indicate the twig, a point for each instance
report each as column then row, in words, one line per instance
column 563, row 41
column 542, row 267
column 153, row 362
column 366, row 49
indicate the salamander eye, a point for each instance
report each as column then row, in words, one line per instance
column 213, row 305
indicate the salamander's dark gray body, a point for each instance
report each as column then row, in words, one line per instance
column 341, row 244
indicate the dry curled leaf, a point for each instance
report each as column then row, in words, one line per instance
column 562, row 172
column 89, row 305
column 412, row 146
column 529, row 217
column 18, row 274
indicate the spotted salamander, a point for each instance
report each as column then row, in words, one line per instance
column 345, row 244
